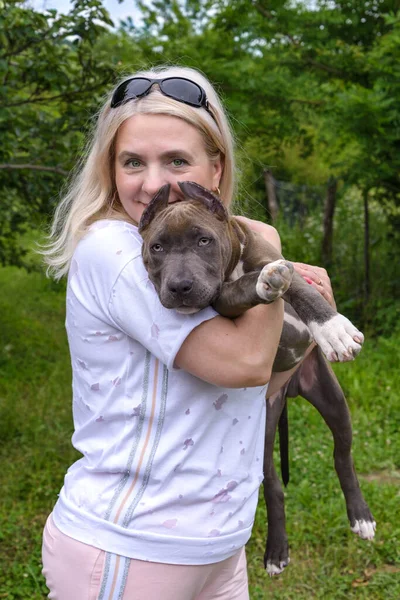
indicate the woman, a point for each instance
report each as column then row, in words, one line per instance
column 168, row 413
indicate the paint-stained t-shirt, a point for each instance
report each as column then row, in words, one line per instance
column 171, row 465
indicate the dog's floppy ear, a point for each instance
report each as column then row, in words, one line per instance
column 198, row 192
column 157, row 203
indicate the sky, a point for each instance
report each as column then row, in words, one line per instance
column 117, row 11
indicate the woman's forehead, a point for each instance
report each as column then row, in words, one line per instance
column 159, row 132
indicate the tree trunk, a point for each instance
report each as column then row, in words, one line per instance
column 367, row 281
column 272, row 204
column 329, row 211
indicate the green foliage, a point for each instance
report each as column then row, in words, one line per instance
column 325, row 79
column 302, row 242
column 313, row 93
column 327, row 560
column 51, row 79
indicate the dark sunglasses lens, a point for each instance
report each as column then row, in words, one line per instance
column 130, row 90
column 183, row 90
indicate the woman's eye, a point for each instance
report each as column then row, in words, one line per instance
column 157, row 248
column 133, row 162
column 179, row 162
column 204, row 241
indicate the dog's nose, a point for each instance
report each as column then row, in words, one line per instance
column 181, row 287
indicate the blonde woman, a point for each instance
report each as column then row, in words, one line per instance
column 169, row 409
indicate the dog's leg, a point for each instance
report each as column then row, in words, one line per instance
column 337, row 337
column 316, row 382
column 253, row 288
column 276, row 556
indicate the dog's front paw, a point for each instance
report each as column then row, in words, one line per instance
column 338, row 339
column 274, row 280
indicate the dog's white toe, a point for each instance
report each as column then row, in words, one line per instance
column 365, row 529
column 273, row 569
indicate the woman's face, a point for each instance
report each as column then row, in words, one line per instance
column 152, row 150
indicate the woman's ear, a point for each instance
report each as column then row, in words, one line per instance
column 218, row 167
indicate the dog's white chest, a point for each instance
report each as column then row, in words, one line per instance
column 237, row 271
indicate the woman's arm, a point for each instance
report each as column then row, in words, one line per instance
column 234, row 352
column 225, row 352
column 315, row 276
column 220, row 362
column 267, row 231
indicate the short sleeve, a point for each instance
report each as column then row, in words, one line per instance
column 136, row 310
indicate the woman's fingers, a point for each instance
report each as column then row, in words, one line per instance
column 319, row 278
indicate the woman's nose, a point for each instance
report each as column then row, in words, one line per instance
column 153, row 180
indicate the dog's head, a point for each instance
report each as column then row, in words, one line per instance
column 186, row 247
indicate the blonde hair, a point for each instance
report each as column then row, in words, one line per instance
column 92, row 194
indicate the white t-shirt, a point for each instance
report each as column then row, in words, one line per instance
column 171, row 465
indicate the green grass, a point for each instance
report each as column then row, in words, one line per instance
column 327, row 560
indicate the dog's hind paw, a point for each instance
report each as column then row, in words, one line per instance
column 273, row 569
column 365, row 529
column 338, row 339
column 274, row 280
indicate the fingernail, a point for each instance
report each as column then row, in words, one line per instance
column 308, row 280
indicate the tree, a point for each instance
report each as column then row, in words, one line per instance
column 51, row 79
column 320, row 83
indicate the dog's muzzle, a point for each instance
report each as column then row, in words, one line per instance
column 187, row 296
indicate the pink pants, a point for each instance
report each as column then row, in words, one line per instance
column 77, row 571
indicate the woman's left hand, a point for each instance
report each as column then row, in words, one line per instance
column 318, row 278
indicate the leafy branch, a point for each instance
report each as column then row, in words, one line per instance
column 57, row 170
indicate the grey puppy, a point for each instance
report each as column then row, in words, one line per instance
column 197, row 255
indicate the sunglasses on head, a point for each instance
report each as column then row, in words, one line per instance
column 179, row 88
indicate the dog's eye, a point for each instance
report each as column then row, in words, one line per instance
column 204, row 241
column 157, row 248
